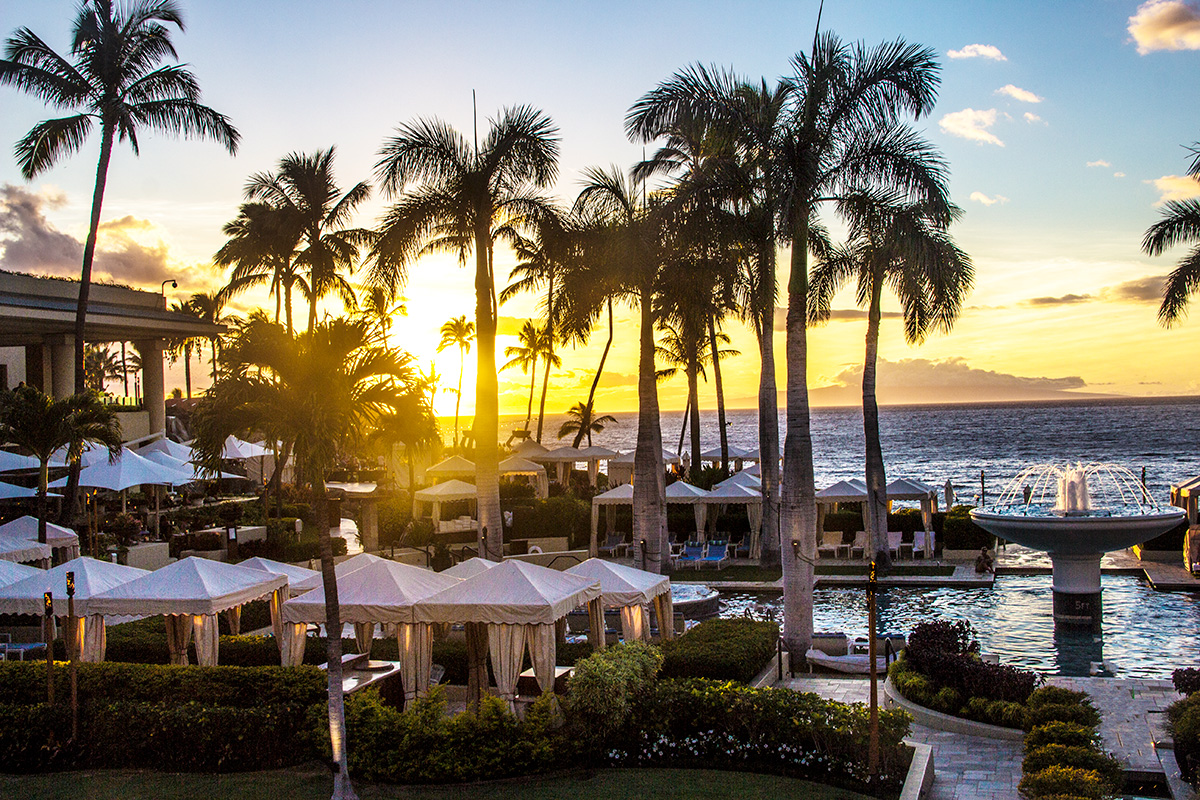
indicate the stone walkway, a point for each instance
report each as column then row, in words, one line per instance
column 1132, row 719
column 965, row 766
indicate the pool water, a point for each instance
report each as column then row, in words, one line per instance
column 1145, row 634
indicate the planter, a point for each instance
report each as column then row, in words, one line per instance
column 946, row 722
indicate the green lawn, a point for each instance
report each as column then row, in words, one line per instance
column 308, row 782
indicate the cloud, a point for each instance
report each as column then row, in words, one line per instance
column 1100, row 162
column 835, row 315
column 1118, row 174
column 980, row 197
column 1139, row 290
column 509, row 326
column 1017, row 93
column 978, row 51
column 1064, row 300
column 32, row 244
column 1175, row 187
column 951, row 380
column 1032, row 118
column 971, row 124
column 1165, row 25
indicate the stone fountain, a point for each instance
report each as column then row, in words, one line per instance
column 1076, row 513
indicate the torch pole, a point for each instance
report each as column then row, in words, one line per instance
column 73, row 654
column 873, row 740
column 48, row 635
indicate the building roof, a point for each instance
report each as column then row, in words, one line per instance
column 33, row 307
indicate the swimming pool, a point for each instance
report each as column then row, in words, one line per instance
column 1145, row 634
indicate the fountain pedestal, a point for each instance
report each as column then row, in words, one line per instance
column 1076, row 585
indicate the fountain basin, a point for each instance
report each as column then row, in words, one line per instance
column 1076, row 535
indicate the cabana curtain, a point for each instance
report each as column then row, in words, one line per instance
column 179, row 633
column 205, row 631
column 506, row 644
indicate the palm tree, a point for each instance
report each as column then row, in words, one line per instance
column 905, row 250
column 1180, row 223
column 457, row 196
column 100, row 365
column 525, row 355
column 581, row 419
column 458, row 332
column 209, row 306
column 261, row 249
column 42, row 425
column 304, row 189
column 322, row 392
column 182, row 347
column 379, row 307
column 610, row 200
column 112, row 79
column 412, row 424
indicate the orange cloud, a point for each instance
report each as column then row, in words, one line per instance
column 1165, row 25
column 1175, row 187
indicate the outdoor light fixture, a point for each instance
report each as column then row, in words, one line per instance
column 163, row 288
column 796, row 547
column 48, row 599
column 70, row 584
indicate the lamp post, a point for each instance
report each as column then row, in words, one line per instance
column 163, row 288
column 48, row 635
column 72, row 654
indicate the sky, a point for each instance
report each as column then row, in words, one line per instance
column 1064, row 126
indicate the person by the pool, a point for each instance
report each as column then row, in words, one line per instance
column 983, row 562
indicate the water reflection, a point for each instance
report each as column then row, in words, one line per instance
column 1144, row 634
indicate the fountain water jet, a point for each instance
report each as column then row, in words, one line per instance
column 1076, row 513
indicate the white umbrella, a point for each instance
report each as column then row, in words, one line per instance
column 180, row 452
column 236, row 448
column 10, row 491
column 186, row 467
column 11, row 462
column 127, row 471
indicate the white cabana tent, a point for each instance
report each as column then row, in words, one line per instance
column 472, row 566
column 737, row 456
column 908, row 489
column 452, row 467
column 631, row 590
column 10, row 491
column 594, row 454
column 186, row 468
column 851, row 491
column 620, row 466
column 740, row 494
column 515, row 465
column 295, row 575
column 11, row 572
column 742, row 478
column 678, row 493
column 190, row 593
column 383, row 592
column 564, row 459
column 447, row 492
column 340, row 571
column 92, row 577
column 63, row 540
column 23, row 551
column 504, row 608
column 531, row 449
column 126, row 472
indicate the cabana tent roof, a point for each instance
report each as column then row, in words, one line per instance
column 714, row 454
column 11, row 462
column 472, row 566
column 446, row 492
column 512, row 592
column 126, row 472
column 11, row 572
column 515, row 465
column 26, row 528
column 531, row 449
column 733, row 493
column 340, row 571
column 567, row 454
column 741, row 479
column 92, row 577
column 10, row 491
column 621, row 585
column 21, row 550
column 621, row 495
column 851, row 491
column 683, row 492
column 381, row 592
column 908, row 489
column 597, row 453
column 177, row 451
column 627, row 458
column 453, row 467
column 189, row 586
column 236, row 449
column 294, row 574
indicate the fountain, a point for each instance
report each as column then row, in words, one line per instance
column 1076, row 513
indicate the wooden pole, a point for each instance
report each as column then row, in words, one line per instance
column 48, row 635
column 873, row 741
column 73, row 655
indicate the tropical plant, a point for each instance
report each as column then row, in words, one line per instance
column 456, row 196
column 112, row 79
column 261, row 249
column 458, row 332
column 413, row 424
column 525, row 354
column 304, row 190
column 320, row 392
column 100, row 365
column 379, row 307
column 635, row 242
column 182, row 347
column 905, row 250
column 581, row 418
column 42, row 425
column 209, row 306
column 1180, row 223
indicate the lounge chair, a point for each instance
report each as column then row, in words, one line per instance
column 895, row 539
column 614, row 546
column 831, row 543
column 716, row 555
column 861, row 545
column 921, row 539
column 740, row 548
column 691, row 555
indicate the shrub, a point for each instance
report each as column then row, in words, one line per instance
column 959, row 532
column 607, row 684
column 556, row 516
column 1078, row 713
column 1058, row 780
column 1087, row 758
column 995, row 712
column 1069, row 733
column 721, row 649
column 947, row 700
column 1048, row 695
column 1187, row 681
column 1183, row 721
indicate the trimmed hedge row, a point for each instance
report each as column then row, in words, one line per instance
column 721, row 649
column 1183, row 721
column 1062, row 750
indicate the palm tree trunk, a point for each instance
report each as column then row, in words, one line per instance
column 876, row 478
column 43, row 481
column 532, row 385
column 687, row 406
column 693, row 379
column 599, row 370
column 287, row 307
column 550, row 353
column 716, row 360
column 124, row 371
column 187, row 368
column 342, row 788
column 487, row 402
column 649, row 484
column 89, row 253
column 461, row 358
column 214, row 360
column 768, row 436
column 798, row 509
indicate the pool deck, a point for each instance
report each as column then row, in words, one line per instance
column 1132, row 720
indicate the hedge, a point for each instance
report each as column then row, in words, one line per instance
column 555, row 516
column 959, row 531
column 721, row 649
column 1183, row 721
column 1062, row 750
column 607, row 686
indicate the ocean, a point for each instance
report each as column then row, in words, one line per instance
column 936, row 443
